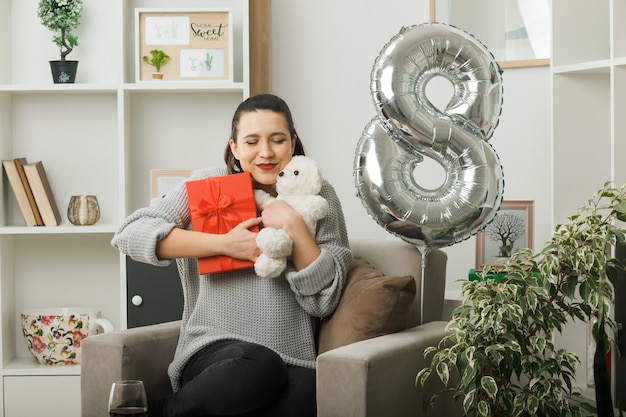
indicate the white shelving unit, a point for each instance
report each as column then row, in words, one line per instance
column 588, row 82
column 99, row 136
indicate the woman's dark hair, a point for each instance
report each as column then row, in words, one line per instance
column 260, row 102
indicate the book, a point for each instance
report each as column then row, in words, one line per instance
column 42, row 191
column 217, row 205
column 20, row 193
column 19, row 164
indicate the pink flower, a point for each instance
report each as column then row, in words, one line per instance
column 78, row 337
column 46, row 320
column 38, row 345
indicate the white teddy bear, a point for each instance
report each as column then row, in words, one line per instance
column 298, row 184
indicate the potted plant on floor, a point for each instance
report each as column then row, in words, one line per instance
column 499, row 344
column 62, row 17
column 158, row 58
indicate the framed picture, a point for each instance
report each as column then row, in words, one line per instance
column 509, row 231
column 199, row 43
column 516, row 32
column 163, row 180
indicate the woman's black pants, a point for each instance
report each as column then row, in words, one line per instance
column 234, row 378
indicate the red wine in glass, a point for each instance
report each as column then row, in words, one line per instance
column 128, row 412
column 128, row 398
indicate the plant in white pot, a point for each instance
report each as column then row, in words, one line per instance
column 500, row 340
column 62, row 17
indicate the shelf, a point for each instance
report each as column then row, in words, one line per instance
column 61, row 229
column 58, row 88
column 30, row 367
column 620, row 61
column 142, row 86
column 591, row 67
column 185, row 86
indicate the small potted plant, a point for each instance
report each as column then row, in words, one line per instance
column 61, row 17
column 158, row 58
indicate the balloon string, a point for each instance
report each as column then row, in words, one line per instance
column 424, row 250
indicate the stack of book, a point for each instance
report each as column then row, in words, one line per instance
column 32, row 192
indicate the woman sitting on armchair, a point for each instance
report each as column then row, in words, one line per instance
column 247, row 344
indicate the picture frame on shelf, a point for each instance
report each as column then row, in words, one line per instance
column 199, row 43
column 163, row 180
column 516, row 32
column 509, row 231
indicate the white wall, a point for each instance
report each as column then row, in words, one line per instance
column 322, row 55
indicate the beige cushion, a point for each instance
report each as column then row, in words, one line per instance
column 372, row 305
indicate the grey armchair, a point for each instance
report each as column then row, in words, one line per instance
column 373, row 378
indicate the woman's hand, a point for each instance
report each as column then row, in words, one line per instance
column 280, row 215
column 241, row 242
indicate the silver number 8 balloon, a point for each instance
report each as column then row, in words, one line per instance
column 409, row 128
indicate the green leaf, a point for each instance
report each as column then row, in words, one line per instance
column 422, row 376
column 569, row 287
column 462, row 310
column 468, row 401
column 483, row 408
column 518, row 404
column 533, row 382
column 538, row 343
column 620, row 210
column 468, row 376
column 584, row 290
column 470, row 354
column 532, row 405
column 488, row 384
column 443, row 372
column 513, row 345
column 612, row 274
column 531, row 299
column 585, row 405
column 429, row 350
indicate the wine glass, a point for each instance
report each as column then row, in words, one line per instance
column 128, row 399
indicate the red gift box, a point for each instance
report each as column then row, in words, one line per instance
column 217, row 205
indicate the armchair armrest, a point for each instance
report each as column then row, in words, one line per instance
column 376, row 377
column 141, row 353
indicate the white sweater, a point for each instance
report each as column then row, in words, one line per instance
column 277, row 313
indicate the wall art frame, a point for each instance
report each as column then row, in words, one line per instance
column 198, row 41
column 513, row 223
column 516, row 32
column 163, row 180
